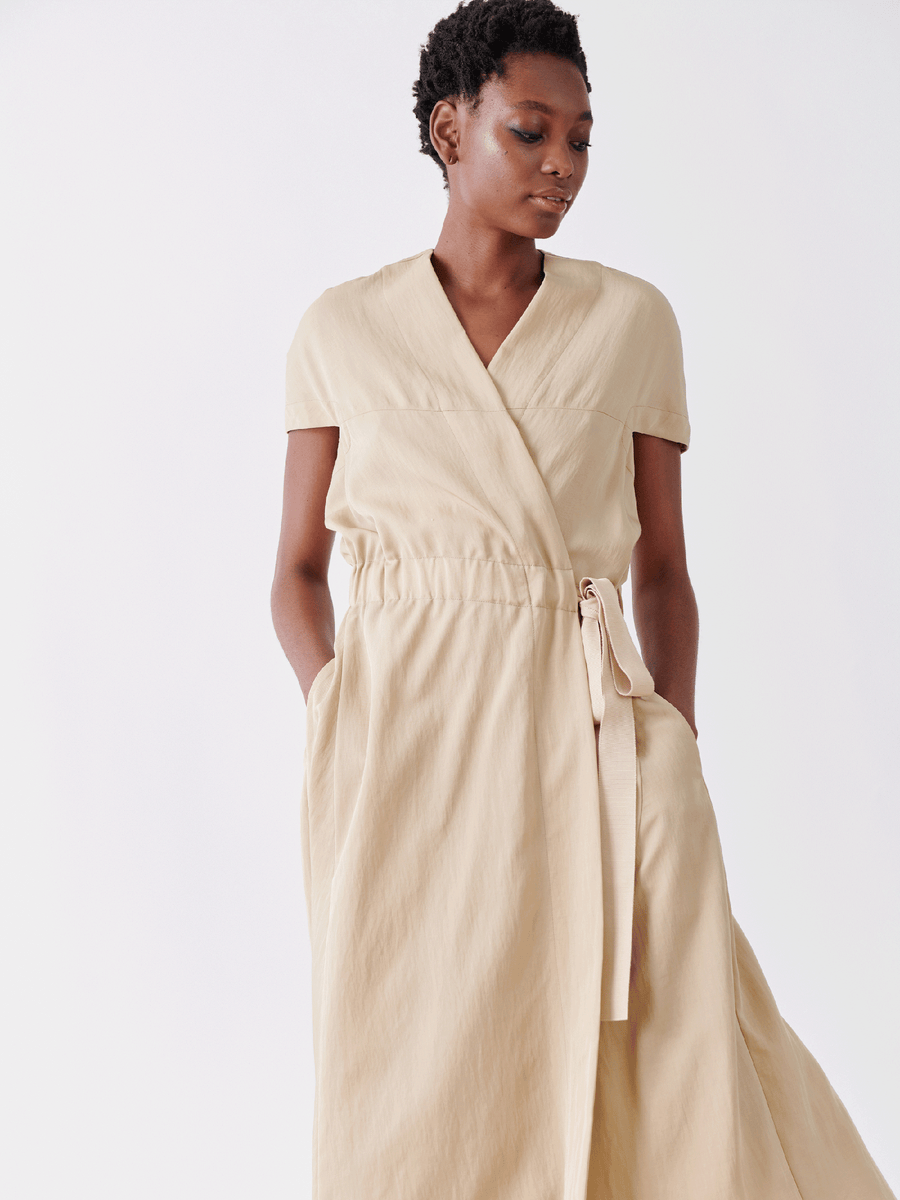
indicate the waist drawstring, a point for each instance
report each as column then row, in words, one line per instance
column 616, row 673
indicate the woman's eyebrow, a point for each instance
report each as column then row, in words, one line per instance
column 539, row 106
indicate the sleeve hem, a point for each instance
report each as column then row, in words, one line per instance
column 307, row 414
column 659, row 422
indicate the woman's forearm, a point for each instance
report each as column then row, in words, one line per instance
column 668, row 626
column 303, row 615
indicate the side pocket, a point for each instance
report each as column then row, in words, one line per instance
column 686, row 732
column 324, row 670
column 678, row 713
column 317, row 689
column 313, row 789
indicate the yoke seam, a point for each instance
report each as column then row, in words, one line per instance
column 592, row 412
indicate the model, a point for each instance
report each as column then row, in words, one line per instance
column 527, row 981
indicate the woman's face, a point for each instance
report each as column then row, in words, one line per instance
column 528, row 136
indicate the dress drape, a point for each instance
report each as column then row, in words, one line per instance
column 527, row 982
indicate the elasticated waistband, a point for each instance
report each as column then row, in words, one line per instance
column 441, row 578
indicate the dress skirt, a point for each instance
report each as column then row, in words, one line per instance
column 706, row 1092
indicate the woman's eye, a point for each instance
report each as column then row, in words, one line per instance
column 531, row 138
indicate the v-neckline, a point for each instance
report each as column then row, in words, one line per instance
column 452, row 372
column 525, row 319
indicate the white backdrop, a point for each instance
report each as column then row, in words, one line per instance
column 180, row 180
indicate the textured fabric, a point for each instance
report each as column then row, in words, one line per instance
column 466, row 821
column 616, row 672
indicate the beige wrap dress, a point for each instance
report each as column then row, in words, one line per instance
column 527, row 983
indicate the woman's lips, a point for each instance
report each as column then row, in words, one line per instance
column 554, row 204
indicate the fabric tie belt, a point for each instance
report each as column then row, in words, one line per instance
column 616, row 673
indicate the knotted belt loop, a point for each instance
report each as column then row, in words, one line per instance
column 616, row 673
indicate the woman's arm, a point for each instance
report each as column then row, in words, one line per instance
column 302, row 611
column 663, row 601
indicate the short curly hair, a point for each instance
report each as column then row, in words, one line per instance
column 469, row 46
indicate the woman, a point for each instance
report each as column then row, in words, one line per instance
column 527, row 981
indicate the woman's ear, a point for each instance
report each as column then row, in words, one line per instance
column 443, row 129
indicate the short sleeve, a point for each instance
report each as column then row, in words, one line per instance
column 308, row 402
column 661, row 403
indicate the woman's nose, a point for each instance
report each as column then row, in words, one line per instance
column 559, row 161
